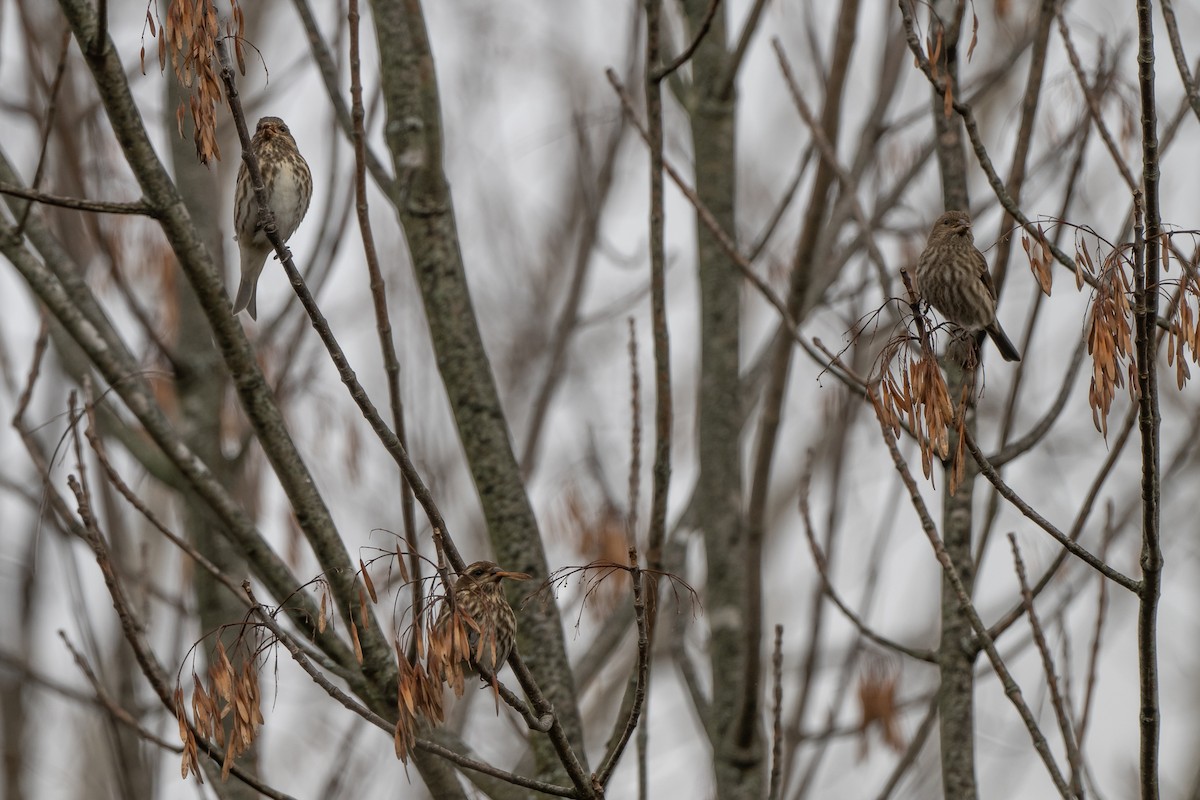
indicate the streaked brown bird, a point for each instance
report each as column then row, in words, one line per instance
column 953, row 277
column 488, row 619
column 289, row 189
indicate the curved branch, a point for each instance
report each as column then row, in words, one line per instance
column 925, row 655
column 139, row 207
column 1070, row 544
column 660, row 73
column 1015, row 448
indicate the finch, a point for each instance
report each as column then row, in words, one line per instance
column 289, row 188
column 488, row 619
column 952, row 276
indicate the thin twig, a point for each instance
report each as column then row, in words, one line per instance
column 647, row 618
column 114, row 478
column 665, row 71
column 558, row 736
column 785, row 202
column 1011, row 689
column 133, row 629
column 728, row 247
column 1019, row 167
column 776, row 782
column 1081, row 518
column 535, row 723
column 383, row 322
column 78, row 204
column 1056, row 696
column 331, row 80
column 914, row 749
column 1036, row 434
column 828, row 151
column 51, row 111
column 1147, row 262
column 1185, row 74
column 819, row 561
column 635, row 437
column 35, row 367
column 1089, row 690
column 1070, row 544
column 114, row 709
column 734, row 64
column 1093, row 106
column 567, row 322
column 663, row 412
column 641, row 670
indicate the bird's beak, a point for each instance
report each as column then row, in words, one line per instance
column 516, row 576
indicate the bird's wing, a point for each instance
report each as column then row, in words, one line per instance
column 985, row 274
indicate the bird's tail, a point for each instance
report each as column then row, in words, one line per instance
column 1008, row 351
column 252, row 262
column 247, row 296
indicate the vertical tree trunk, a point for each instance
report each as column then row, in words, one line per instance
column 733, row 603
column 956, row 650
column 425, row 209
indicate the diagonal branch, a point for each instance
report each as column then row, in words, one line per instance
column 1070, row 544
column 139, row 207
column 941, row 86
column 663, row 72
column 1011, row 689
